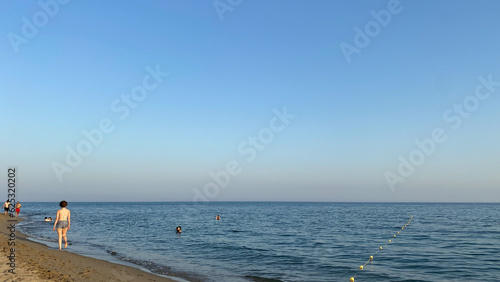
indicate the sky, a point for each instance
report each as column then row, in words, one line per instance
column 228, row 100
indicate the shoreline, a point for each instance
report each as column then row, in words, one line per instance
column 37, row 262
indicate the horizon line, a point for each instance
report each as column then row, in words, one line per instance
column 243, row 201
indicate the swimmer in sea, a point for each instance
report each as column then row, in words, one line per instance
column 217, row 217
column 18, row 208
column 63, row 223
column 178, row 229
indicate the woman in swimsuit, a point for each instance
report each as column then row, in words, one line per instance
column 18, row 208
column 62, row 223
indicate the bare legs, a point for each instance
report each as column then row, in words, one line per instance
column 62, row 235
column 59, row 233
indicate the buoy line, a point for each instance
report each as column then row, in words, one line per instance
column 361, row 267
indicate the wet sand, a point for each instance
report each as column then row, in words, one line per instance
column 36, row 262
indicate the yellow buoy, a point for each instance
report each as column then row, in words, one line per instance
column 352, row 279
column 381, row 248
column 389, row 241
column 398, row 232
column 394, row 235
column 360, row 267
column 371, row 257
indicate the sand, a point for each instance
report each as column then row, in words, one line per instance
column 36, row 262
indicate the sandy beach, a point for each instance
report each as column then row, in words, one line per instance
column 36, row 262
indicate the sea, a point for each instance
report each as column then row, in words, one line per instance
column 283, row 241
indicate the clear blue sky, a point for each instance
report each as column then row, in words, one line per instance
column 352, row 119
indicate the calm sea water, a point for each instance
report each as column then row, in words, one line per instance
column 284, row 241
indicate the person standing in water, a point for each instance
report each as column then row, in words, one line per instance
column 63, row 223
column 6, row 206
column 18, row 208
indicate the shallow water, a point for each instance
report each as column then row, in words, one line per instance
column 268, row 241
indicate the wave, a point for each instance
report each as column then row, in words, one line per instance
column 158, row 268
